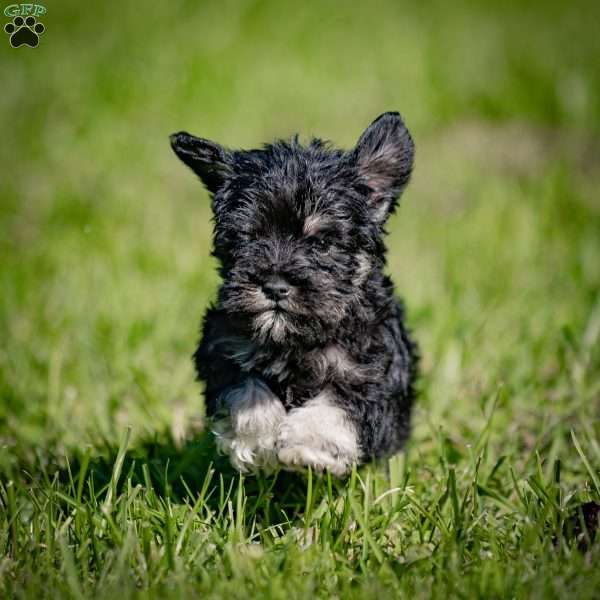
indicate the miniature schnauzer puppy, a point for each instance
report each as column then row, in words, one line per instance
column 305, row 355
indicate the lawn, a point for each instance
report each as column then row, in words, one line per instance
column 109, row 481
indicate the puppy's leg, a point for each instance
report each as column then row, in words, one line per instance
column 249, row 432
column 320, row 435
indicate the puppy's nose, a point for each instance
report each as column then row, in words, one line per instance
column 277, row 288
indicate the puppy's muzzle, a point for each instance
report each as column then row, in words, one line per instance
column 276, row 288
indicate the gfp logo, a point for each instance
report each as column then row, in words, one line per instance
column 25, row 28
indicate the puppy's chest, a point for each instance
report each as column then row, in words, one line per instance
column 298, row 376
column 291, row 377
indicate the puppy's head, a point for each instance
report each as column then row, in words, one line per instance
column 298, row 229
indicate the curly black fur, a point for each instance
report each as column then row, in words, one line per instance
column 308, row 223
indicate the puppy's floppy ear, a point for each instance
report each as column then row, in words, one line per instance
column 384, row 158
column 211, row 162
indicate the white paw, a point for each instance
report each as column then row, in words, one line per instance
column 249, row 434
column 318, row 435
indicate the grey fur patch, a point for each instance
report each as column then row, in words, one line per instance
column 363, row 269
column 315, row 223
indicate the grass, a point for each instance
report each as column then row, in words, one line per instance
column 109, row 483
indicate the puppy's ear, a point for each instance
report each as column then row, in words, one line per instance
column 384, row 157
column 211, row 162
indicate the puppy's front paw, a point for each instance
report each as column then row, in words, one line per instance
column 320, row 435
column 249, row 433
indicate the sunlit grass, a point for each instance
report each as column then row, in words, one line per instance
column 109, row 483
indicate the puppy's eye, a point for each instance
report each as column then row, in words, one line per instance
column 320, row 242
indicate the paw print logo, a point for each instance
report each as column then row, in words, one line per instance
column 24, row 31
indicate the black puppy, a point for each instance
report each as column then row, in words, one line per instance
column 305, row 355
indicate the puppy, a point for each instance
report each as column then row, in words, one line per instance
column 305, row 355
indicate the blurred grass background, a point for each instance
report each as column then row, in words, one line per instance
column 105, row 237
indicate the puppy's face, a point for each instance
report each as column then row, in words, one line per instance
column 298, row 229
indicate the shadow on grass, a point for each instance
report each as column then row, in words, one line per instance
column 179, row 472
